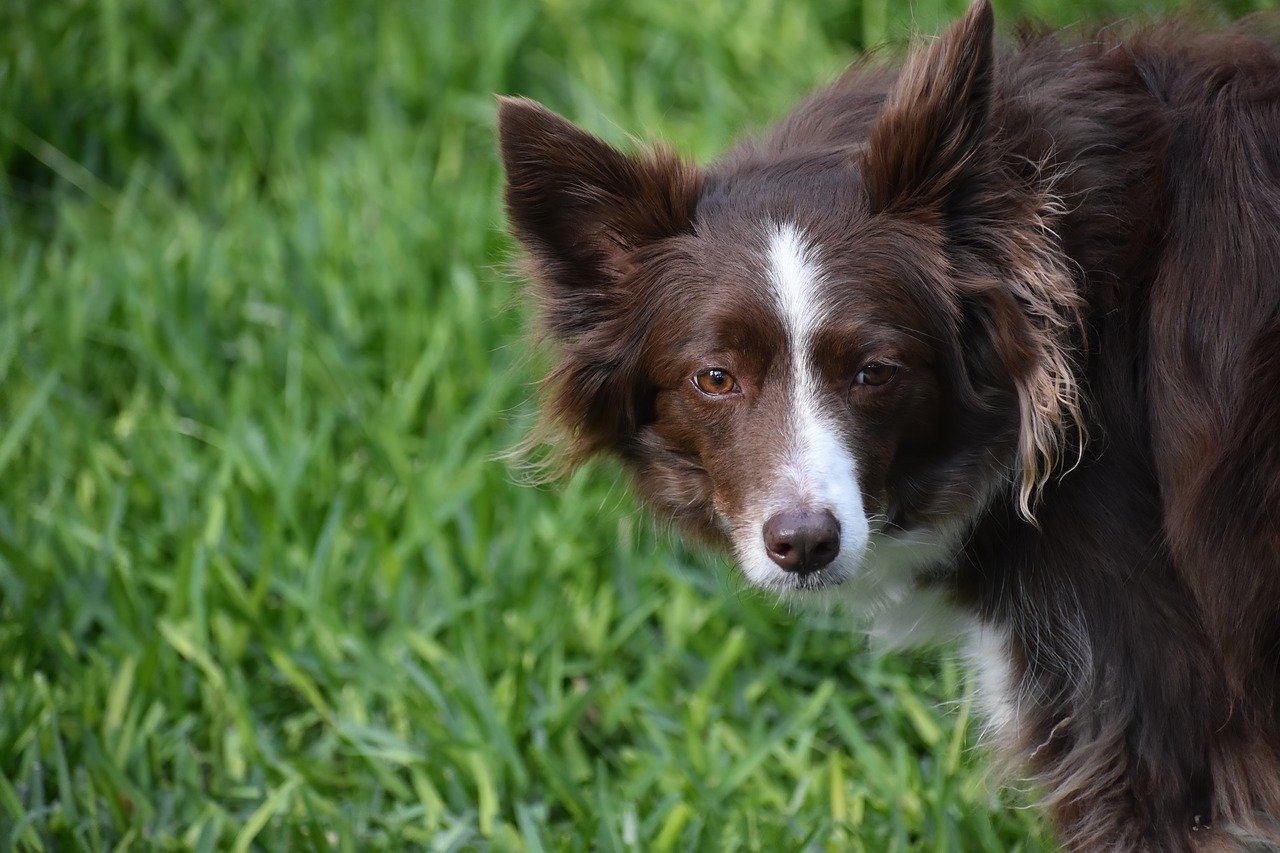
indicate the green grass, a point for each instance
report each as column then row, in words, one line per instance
column 262, row 584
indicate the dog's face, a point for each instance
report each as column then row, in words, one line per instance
column 812, row 355
column 796, row 391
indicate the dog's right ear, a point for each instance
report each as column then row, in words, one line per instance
column 582, row 210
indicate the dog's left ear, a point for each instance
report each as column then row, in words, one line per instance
column 931, row 134
column 582, row 209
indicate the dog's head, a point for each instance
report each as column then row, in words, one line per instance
column 826, row 357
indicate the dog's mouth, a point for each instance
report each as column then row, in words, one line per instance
column 822, row 579
column 839, row 573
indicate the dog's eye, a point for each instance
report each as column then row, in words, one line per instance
column 875, row 373
column 715, row 382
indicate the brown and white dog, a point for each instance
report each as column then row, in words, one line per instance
column 993, row 337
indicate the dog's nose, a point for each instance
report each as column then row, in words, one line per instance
column 802, row 540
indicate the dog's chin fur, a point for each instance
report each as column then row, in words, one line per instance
column 1001, row 328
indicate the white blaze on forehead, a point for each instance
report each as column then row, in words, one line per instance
column 815, row 470
column 796, row 280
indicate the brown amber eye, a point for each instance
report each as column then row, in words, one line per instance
column 876, row 373
column 715, row 382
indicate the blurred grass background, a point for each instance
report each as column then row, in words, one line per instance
column 261, row 583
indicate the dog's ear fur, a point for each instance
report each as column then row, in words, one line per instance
column 586, row 214
column 582, row 209
column 1026, row 329
column 929, row 159
column 932, row 130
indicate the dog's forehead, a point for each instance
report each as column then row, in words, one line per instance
column 734, row 262
column 744, row 260
column 754, row 278
column 755, row 286
column 744, row 201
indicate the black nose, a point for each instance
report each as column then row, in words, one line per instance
column 802, row 540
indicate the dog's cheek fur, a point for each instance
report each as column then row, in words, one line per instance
column 913, row 471
column 600, row 392
column 691, row 461
column 676, row 484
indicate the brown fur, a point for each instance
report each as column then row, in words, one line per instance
column 1069, row 250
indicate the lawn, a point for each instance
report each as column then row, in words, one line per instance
column 263, row 584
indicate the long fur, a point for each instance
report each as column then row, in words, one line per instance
column 1077, row 239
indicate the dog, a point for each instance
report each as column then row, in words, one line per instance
column 988, row 342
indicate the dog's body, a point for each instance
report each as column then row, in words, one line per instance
column 856, row 351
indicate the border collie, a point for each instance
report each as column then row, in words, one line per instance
column 991, row 338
